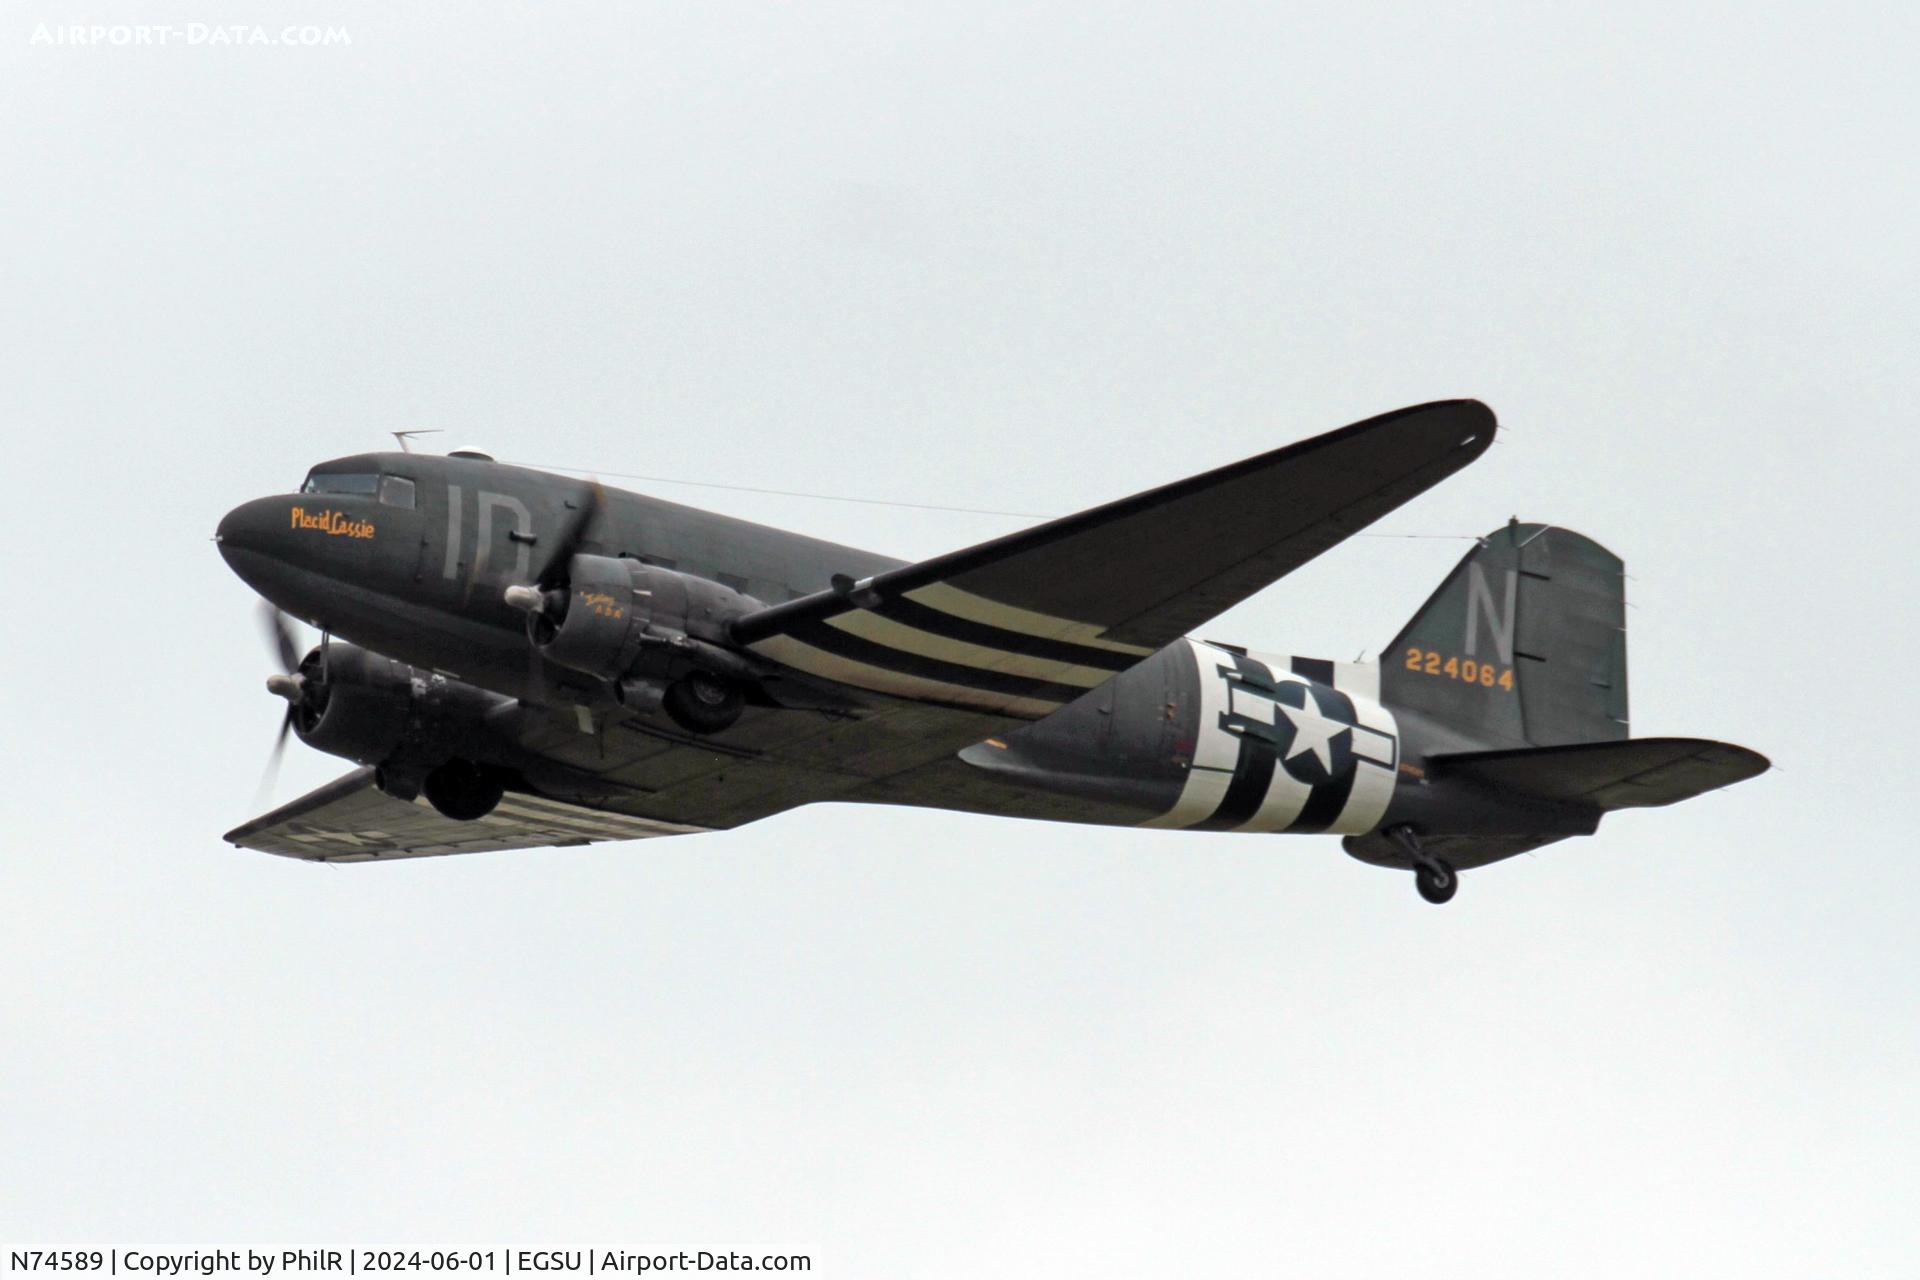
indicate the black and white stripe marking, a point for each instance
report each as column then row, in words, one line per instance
column 938, row 643
column 1298, row 745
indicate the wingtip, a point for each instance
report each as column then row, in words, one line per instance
column 1477, row 422
column 1750, row 763
column 1472, row 423
column 1756, row 763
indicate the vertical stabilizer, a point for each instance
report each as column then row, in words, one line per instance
column 1524, row 644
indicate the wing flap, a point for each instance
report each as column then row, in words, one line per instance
column 352, row 820
column 1635, row 774
column 1024, row 624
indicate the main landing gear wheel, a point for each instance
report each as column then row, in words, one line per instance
column 1435, row 879
column 702, row 703
column 462, row 790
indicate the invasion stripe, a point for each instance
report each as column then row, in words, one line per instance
column 1215, row 751
column 514, row 815
column 898, row 635
column 1320, row 669
column 524, row 807
column 609, row 826
column 1254, row 773
column 952, row 626
column 1245, row 794
column 1285, row 797
column 964, row 604
column 1361, row 682
column 1275, row 797
column 1223, row 785
column 524, row 817
column 861, row 675
column 846, row 645
column 1374, row 742
column 1328, row 799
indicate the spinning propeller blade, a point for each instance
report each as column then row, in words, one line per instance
column 286, row 684
column 280, row 637
column 271, row 774
column 553, row 571
column 546, row 596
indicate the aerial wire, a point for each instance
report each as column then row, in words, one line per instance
column 885, row 502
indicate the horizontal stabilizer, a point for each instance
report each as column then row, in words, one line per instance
column 1637, row 773
column 1461, row 852
column 352, row 820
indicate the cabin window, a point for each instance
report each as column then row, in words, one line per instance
column 396, row 491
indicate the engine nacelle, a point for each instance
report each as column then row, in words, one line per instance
column 352, row 703
column 374, row 710
column 620, row 618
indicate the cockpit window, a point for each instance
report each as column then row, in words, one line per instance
column 322, row 482
column 393, row 491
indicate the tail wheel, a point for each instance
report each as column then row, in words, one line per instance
column 1436, row 880
column 704, row 703
column 462, row 790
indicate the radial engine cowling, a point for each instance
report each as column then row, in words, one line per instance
column 619, row 617
column 351, row 702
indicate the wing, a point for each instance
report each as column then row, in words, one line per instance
column 1024, row 624
column 1637, row 773
column 352, row 820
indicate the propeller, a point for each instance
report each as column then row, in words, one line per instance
column 546, row 596
column 280, row 637
column 545, row 600
column 586, row 506
column 288, row 683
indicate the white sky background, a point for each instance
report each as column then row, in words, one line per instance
column 993, row 258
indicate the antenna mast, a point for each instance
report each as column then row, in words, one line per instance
column 404, row 436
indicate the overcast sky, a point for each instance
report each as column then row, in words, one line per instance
column 1002, row 258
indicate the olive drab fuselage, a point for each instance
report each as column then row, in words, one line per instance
column 496, row 631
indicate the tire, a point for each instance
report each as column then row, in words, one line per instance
column 1436, row 881
column 703, row 703
column 462, row 790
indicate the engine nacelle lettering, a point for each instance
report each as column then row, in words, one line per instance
column 622, row 618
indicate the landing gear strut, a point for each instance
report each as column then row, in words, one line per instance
column 1435, row 880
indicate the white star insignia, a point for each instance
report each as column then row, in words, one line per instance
column 1312, row 731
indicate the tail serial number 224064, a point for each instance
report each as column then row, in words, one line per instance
column 1488, row 675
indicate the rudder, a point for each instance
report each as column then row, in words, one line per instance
column 1524, row 643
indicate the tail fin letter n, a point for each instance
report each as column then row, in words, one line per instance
column 1499, row 619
